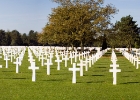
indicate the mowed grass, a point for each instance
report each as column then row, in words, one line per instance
column 96, row 84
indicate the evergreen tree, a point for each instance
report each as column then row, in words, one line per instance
column 16, row 38
column 127, row 31
column 2, row 38
column 25, row 39
column 32, row 38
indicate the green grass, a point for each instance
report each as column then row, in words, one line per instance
column 96, row 84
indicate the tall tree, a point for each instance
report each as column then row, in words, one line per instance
column 2, row 38
column 137, row 41
column 32, row 38
column 127, row 31
column 78, row 20
column 16, row 38
column 8, row 38
column 25, row 39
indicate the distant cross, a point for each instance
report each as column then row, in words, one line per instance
column 31, row 59
column 66, row 58
column 93, row 59
column 58, row 62
column 138, row 62
column 75, row 56
column 113, row 56
column 114, row 65
column 48, row 66
column 51, row 56
column 84, row 54
column 74, row 69
column 11, row 54
column 6, row 58
column 79, row 54
column 33, row 67
column 42, row 60
column 14, row 53
column 71, row 56
column 81, row 64
column 0, row 65
column 62, row 54
column 20, row 59
column 17, row 64
column 87, row 53
column 86, row 63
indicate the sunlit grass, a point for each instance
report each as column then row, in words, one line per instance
column 96, row 84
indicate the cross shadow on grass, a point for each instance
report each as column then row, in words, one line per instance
column 19, row 78
column 101, row 67
column 61, row 74
column 95, row 82
column 15, row 78
column 8, row 71
column 54, row 80
column 130, row 83
column 100, row 70
column 125, row 76
column 98, row 75
column 129, row 71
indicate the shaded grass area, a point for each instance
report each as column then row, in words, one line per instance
column 96, row 84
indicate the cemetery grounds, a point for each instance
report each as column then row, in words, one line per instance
column 96, row 84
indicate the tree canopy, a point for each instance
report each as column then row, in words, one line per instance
column 78, row 21
column 14, row 38
column 126, row 32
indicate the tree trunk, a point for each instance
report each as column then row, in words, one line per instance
column 129, row 47
column 72, row 47
column 82, row 47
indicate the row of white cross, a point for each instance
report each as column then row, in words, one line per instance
column 47, row 55
column 89, row 60
column 134, row 59
column 114, row 65
column 10, row 53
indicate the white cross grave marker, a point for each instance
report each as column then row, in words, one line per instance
column 17, row 64
column 51, row 56
column 0, row 65
column 58, row 62
column 6, row 58
column 11, row 54
column 31, row 59
column 71, row 56
column 74, row 69
column 86, row 63
column 81, row 64
column 114, row 70
column 75, row 55
column 42, row 60
column 33, row 67
column 66, row 58
column 48, row 66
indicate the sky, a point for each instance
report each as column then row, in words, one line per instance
column 26, row 15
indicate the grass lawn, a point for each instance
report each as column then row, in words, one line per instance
column 96, row 84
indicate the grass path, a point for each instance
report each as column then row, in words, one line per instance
column 96, row 84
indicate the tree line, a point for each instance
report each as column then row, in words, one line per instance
column 14, row 38
column 88, row 23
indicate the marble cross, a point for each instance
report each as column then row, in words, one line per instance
column 33, row 68
column 74, row 69
column 58, row 62
column 17, row 64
